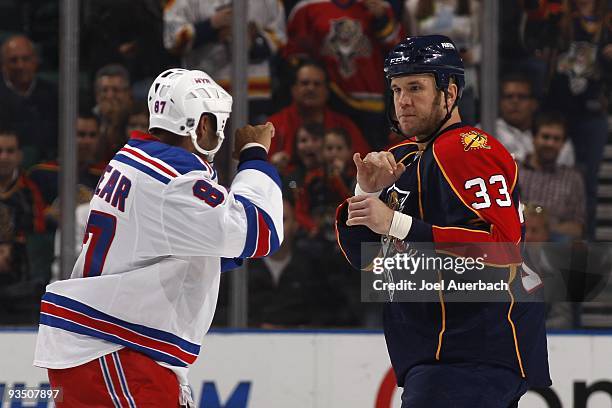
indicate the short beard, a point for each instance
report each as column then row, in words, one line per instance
column 429, row 124
column 433, row 121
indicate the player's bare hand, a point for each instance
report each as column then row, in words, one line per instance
column 371, row 212
column 261, row 134
column 377, row 170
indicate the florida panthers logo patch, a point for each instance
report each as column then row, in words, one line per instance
column 473, row 140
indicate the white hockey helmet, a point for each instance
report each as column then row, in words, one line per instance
column 178, row 98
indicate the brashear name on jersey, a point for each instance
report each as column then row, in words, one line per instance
column 159, row 227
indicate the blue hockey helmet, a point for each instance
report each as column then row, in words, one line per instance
column 428, row 54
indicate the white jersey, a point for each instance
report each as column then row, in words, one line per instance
column 214, row 57
column 159, row 230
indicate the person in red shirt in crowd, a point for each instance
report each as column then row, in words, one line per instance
column 327, row 186
column 310, row 96
column 351, row 38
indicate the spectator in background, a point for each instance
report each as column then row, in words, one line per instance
column 517, row 106
column 308, row 143
column 351, row 38
column 285, row 288
column 460, row 21
column 582, row 73
column 309, row 104
column 113, row 105
column 138, row 119
column 560, row 189
column 21, row 217
column 327, row 186
column 200, row 32
column 547, row 259
column 310, row 96
column 17, row 192
column 46, row 175
column 127, row 33
column 30, row 101
column 10, row 271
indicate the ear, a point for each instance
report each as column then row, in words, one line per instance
column 203, row 125
column 452, row 94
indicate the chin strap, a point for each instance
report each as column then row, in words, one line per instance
column 210, row 154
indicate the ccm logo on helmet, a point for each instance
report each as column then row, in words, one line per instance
column 399, row 59
column 201, row 81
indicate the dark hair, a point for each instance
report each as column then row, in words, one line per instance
column 309, row 63
column 549, row 118
column 315, row 129
column 113, row 70
column 516, row 77
column 8, row 130
column 343, row 134
column 86, row 112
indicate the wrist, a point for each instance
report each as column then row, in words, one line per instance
column 359, row 191
column 400, row 225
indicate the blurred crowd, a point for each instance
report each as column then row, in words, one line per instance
column 315, row 70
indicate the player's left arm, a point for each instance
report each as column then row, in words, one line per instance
column 483, row 181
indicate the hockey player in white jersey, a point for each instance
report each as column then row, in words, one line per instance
column 123, row 330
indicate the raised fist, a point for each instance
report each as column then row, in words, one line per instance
column 261, row 134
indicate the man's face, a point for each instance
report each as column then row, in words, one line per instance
column 10, row 155
column 548, row 142
column 19, row 62
column 308, row 148
column 419, row 106
column 517, row 105
column 310, row 89
column 112, row 90
column 87, row 139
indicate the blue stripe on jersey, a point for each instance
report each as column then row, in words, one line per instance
column 145, row 169
column 251, row 239
column 250, row 245
column 264, row 167
column 180, row 159
column 140, row 329
column 70, row 326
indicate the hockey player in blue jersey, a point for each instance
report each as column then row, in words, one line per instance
column 452, row 183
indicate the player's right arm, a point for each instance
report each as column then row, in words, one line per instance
column 203, row 218
column 376, row 171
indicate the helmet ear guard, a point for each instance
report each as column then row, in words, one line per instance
column 177, row 100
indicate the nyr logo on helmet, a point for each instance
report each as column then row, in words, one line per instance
column 201, row 81
column 448, row 46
